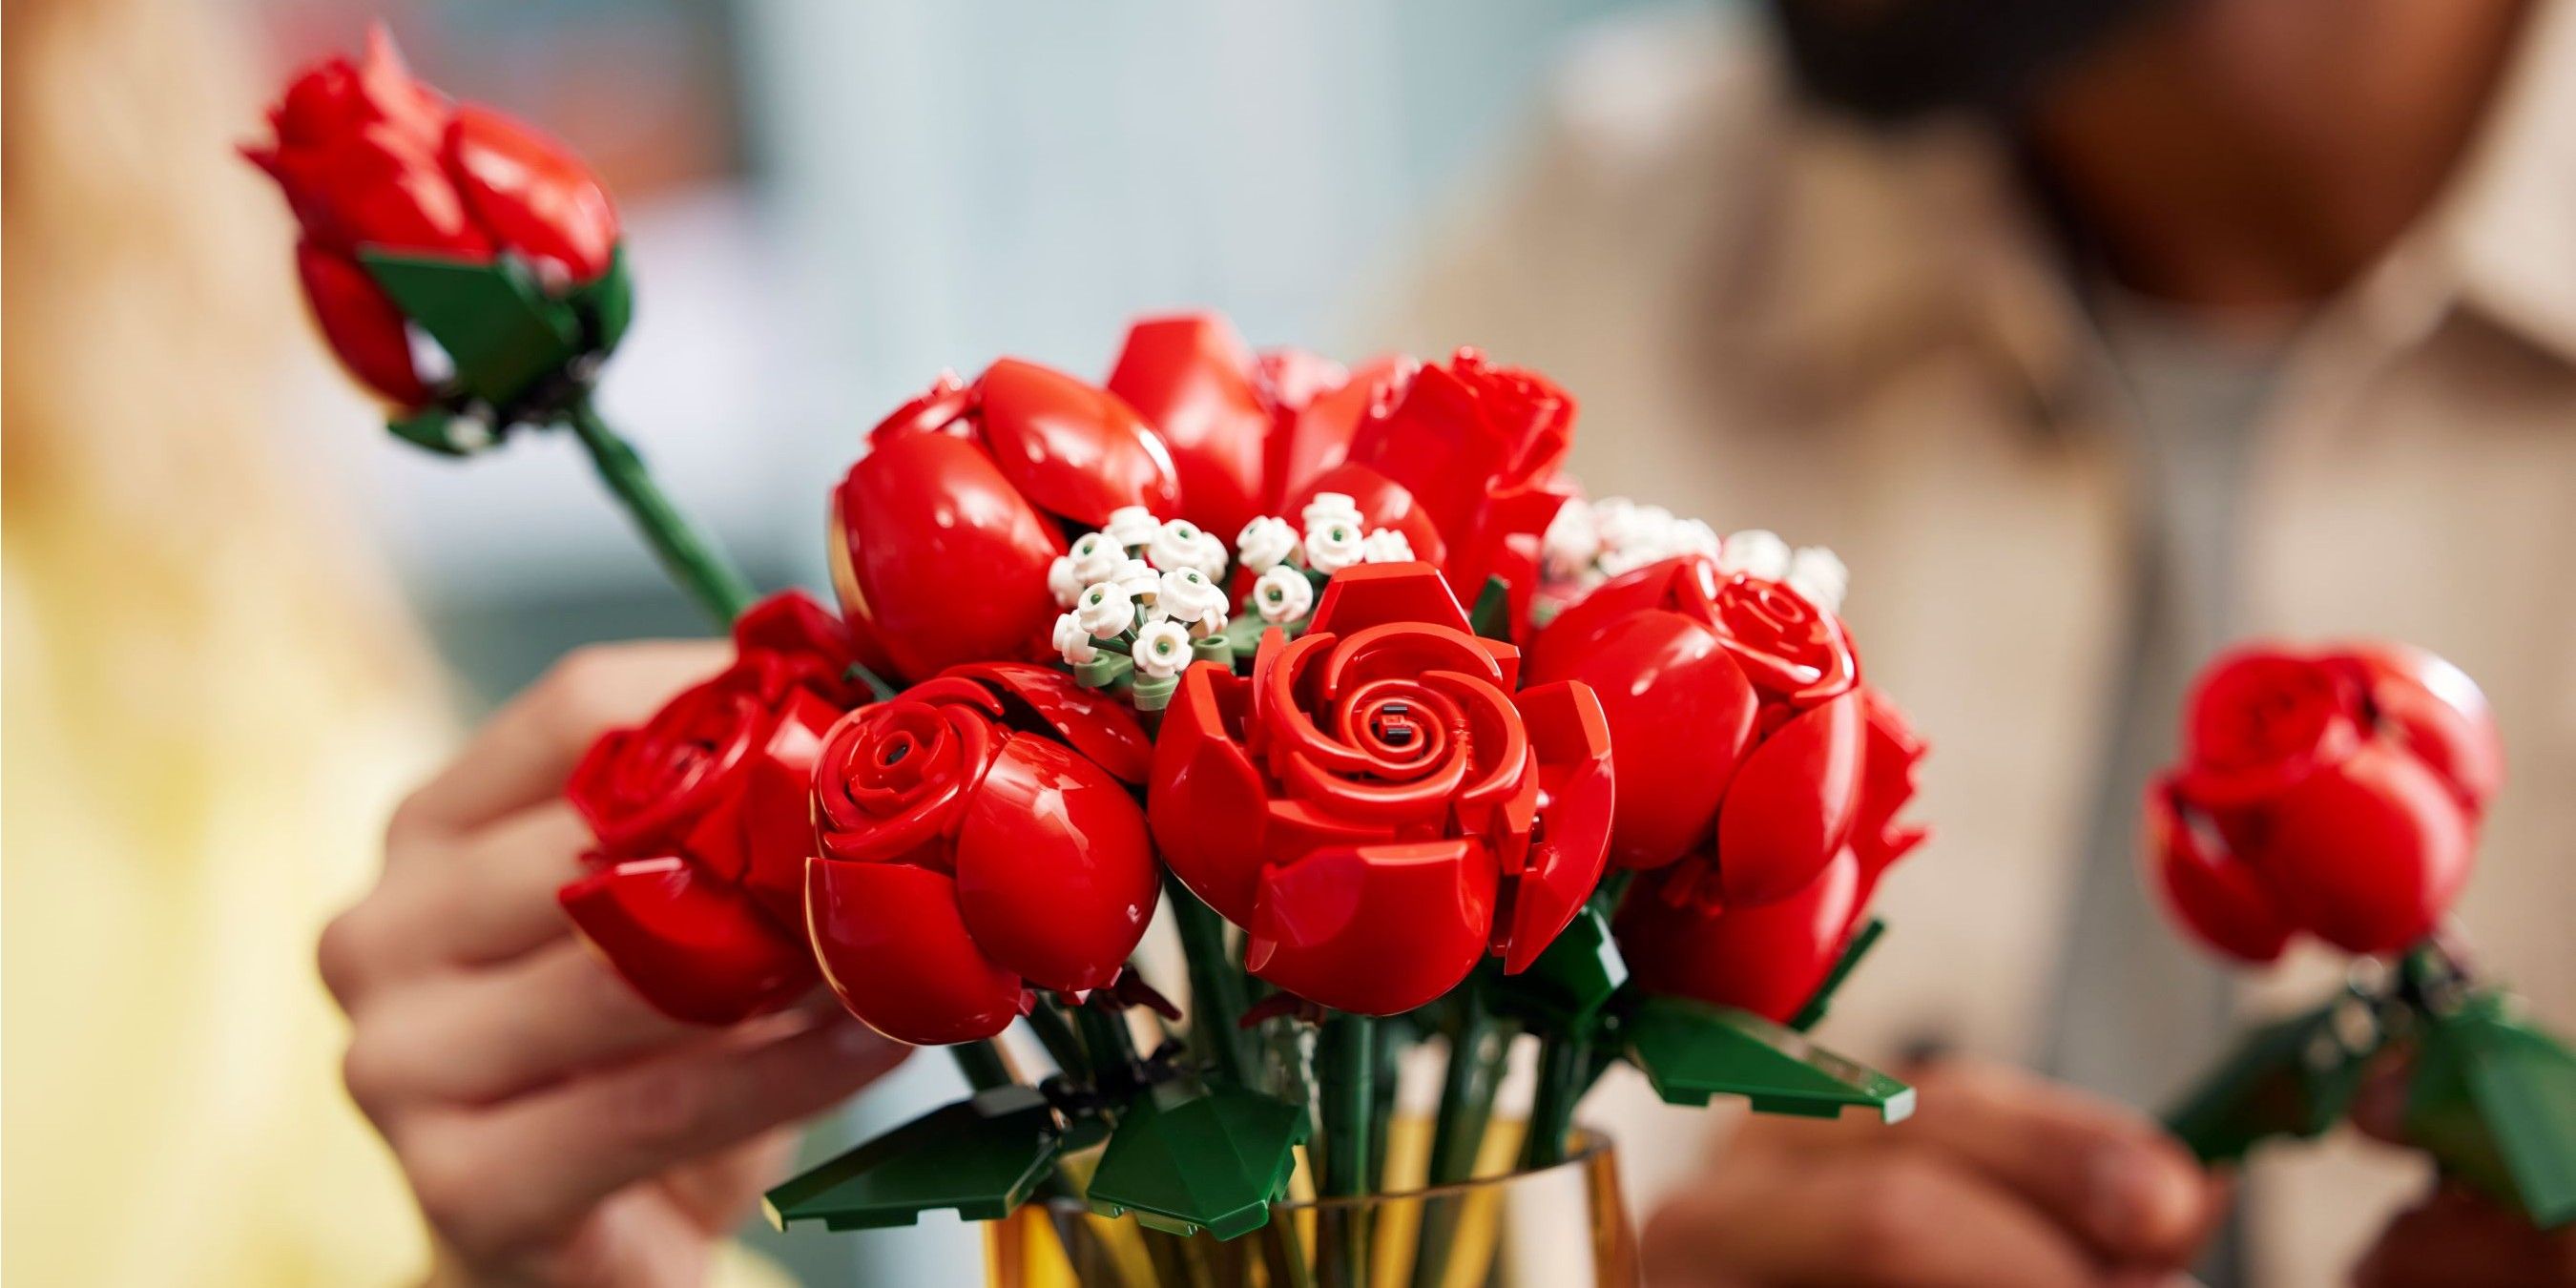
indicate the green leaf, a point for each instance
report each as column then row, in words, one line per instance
column 980, row 1157
column 1183, row 1159
column 1814, row 1011
column 2493, row 1099
column 607, row 303
column 1577, row 974
column 442, row 431
column 1492, row 615
column 2294, row 1077
column 1691, row 1051
column 502, row 333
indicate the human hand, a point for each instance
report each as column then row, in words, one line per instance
column 2456, row 1237
column 554, row 1129
column 1999, row 1179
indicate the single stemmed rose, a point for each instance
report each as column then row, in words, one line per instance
column 1737, row 708
column 1379, row 805
column 2336, row 793
column 696, row 889
column 976, row 837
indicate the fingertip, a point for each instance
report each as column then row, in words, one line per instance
column 2145, row 1198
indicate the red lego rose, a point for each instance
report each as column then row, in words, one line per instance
column 1376, row 805
column 2336, row 793
column 977, row 838
column 942, row 533
column 697, row 885
column 1770, row 958
column 1737, row 708
column 371, row 159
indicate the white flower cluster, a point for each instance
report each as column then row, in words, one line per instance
column 1590, row 543
column 1144, row 584
column 1333, row 539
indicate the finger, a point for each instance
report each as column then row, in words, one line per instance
column 2459, row 1240
column 476, row 1036
column 1895, row 1216
column 522, row 755
column 564, row 1149
column 2098, row 1169
column 492, row 895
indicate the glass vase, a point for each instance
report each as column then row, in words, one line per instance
column 1564, row 1226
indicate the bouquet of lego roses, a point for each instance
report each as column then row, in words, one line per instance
column 1334, row 670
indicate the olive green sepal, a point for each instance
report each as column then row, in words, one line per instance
column 2293, row 1077
column 980, row 1157
column 1691, row 1051
column 499, row 328
column 2493, row 1099
column 1184, row 1159
column 1862, row 940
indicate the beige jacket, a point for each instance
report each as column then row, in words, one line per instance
column 1777, row 321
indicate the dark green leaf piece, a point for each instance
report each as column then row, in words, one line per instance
column 980, row 1157
column 1814, row 1011
column 2294, row 1077
column 1572, row 979
column 1691, row 1051
column 1492, row 615
column 2494, row 1101
column 607, row 303
column 434, row 428
column 1185, row 1159
column 502, row 333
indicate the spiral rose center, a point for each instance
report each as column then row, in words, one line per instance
column 1402, row 728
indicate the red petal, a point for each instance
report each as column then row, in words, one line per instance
column 2368, row 854
column 1886, row 785
column 1790, row 807
column 531, row 193
column 777, row 813
column 2439, row 712
column 1767, row 959
column 896, row 952
column 944, row 562
column 695, row 949
column 1660, row 585
column 1382, row 503
column 1317, row 434
column 1206, row 804
column 1681, row 717
column 361, row 323
column 1097, row 724
column 1073, row 449
column 1570, row 738
column 1055, row 878
column 1366, row 595
column 1377, row 929
column 2216, row 898
column 1193, row 379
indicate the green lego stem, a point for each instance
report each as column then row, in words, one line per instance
column 1564, row 1066
column 688, row 554
column 1218, row 996
column 1106, row 1036
column 983, row 1065
column 1475, row 1071
column 1047, row 1022
column 1346, row 1069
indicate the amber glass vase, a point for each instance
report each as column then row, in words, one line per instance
column 1564, row 1226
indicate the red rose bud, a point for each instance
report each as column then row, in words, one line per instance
column 942, row 533
column 1377, row 806
column 696, row 893
column 1737, row 708
column 977, row 838
column 2336, row 794
column 1770, row 958
column 373, row 160
column 1462, row 458
column 1245, row 432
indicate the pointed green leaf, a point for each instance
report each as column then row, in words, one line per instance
column 439, row 430
column 2294, row 1077
column 607, row 303
column 2494, row 1100
column 502, row 333
column 1185, row 1159
column 980, row 1157
column 1492, row 615
column 1814, row 1011
column 1691, row 1051
column 1570, row 981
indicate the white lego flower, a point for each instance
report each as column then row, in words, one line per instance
column 1570, row 542
column 1161, row 650
column 1386, row 545
column 1615, row 561
column 1139, row 581
column 1104, row 609
column 1093, row 557
column 1190, row 598
column 1282, row 595
column 1819, row 574
column 1334, row 544
column 1073, row 641
column 1211, row 554
column 1692, row 537
column 1328, row 506
column 1177, row 545
column 1756, row 551
column 1062, row 583
column 1131, row 526
column 1265, row 543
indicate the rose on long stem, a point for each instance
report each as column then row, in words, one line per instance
column 690, row 556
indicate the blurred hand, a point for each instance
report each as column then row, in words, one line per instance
column 553, row 1128
column 2457, row 1238
column 2000, row 1179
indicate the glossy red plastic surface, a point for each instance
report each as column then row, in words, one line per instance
column 370, row 158
column 695, row 893
column 1738, row 713
column 1365, row 802
column 969, row 849
column 938, row 557
column 2336, row 794
column 1074, row 450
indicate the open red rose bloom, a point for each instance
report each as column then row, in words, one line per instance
column 1379, row 804
column 2336, row 793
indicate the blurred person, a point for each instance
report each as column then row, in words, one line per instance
column 2095, row 335
column 212, row 702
